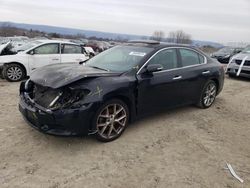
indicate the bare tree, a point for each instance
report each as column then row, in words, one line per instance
column 179, row 37
column 158, row 35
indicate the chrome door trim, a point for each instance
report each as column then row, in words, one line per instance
column 205, row 60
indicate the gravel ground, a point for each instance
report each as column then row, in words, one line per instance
column 185, row 147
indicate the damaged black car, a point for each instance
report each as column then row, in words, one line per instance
column 116, row 87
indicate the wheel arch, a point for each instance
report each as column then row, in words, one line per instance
column 20, row 64
column 127, row 101
column 217, row 83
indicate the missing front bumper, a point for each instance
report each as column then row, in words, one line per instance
column 68, row 122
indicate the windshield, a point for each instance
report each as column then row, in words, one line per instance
column 226, row 50
column 246, row 50
column 119, row 58
column 28, row 46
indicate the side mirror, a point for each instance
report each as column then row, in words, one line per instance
column 154, row 68
column 31, row 52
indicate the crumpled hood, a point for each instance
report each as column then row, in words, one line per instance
column 58, row 75
column 3, row 46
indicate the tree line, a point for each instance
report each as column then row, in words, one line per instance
column 178, row 36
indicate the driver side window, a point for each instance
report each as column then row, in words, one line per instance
column 167, row 58
column 47, row 49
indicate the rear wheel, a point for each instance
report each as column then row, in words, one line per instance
column 208, row 95
column 111, row 120
column 13, row 72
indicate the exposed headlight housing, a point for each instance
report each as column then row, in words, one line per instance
column 69, row 98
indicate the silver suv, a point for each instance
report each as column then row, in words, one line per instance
column 239, row 64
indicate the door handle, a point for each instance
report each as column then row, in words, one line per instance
column 177, row 78
column 205, row 72
column 55, row 59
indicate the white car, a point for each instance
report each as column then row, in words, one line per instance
column 239, row 64
column 37, row 54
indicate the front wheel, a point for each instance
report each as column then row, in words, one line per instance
column 208, row 95
column 13, row 72
column 111, row 120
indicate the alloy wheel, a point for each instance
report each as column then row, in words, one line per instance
column 111, row 121
column 14, row 73
column 210, row 94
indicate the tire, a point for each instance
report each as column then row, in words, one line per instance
column 208, row 95
column 13, row 72
column 111, row 120
column 231, row 75
column 1, row 74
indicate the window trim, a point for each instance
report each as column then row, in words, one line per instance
column 58, row 45
column 198, row 56
column 145, row 64
column 176, row 54
column 62, row 48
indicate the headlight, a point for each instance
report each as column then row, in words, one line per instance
column 226, row 56
column 68, row 98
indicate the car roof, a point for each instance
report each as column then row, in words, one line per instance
column 155, row 44
column 56, row 41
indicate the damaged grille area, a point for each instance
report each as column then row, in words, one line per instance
column 55, row 99
column 44, row 96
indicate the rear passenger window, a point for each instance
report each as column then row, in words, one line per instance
column 189, row 57
column 166, row 58
column 71, row 49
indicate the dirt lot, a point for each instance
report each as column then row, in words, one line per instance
column 187, row 147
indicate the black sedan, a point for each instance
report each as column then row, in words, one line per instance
column 224, row 55
column 116, row 87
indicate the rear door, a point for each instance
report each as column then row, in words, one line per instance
column 195, row 73
column 43, row 55
column 72, row 53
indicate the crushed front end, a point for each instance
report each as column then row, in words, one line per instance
column 56, row 111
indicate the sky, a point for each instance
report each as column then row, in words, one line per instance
column 212, row 20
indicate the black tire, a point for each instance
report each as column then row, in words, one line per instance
column 13, row 72
column 207, row 98
column 106, row 122
column 231, row 75
column 1, row 74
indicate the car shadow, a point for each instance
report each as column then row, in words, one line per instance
column 140, row 123
column 239, row 78
column 62, row 142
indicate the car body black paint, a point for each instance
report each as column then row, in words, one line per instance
column 144, row 93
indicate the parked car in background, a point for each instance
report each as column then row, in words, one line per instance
column 98, row 46
column 89, row 51
column 117, row 86
column 240, row 64
column 20, row 63
column 223, row 55
column 95, row 45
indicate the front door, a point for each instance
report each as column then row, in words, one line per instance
column 160, row 90
column 43, row 55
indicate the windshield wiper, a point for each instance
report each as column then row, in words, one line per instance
column 100, row 68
